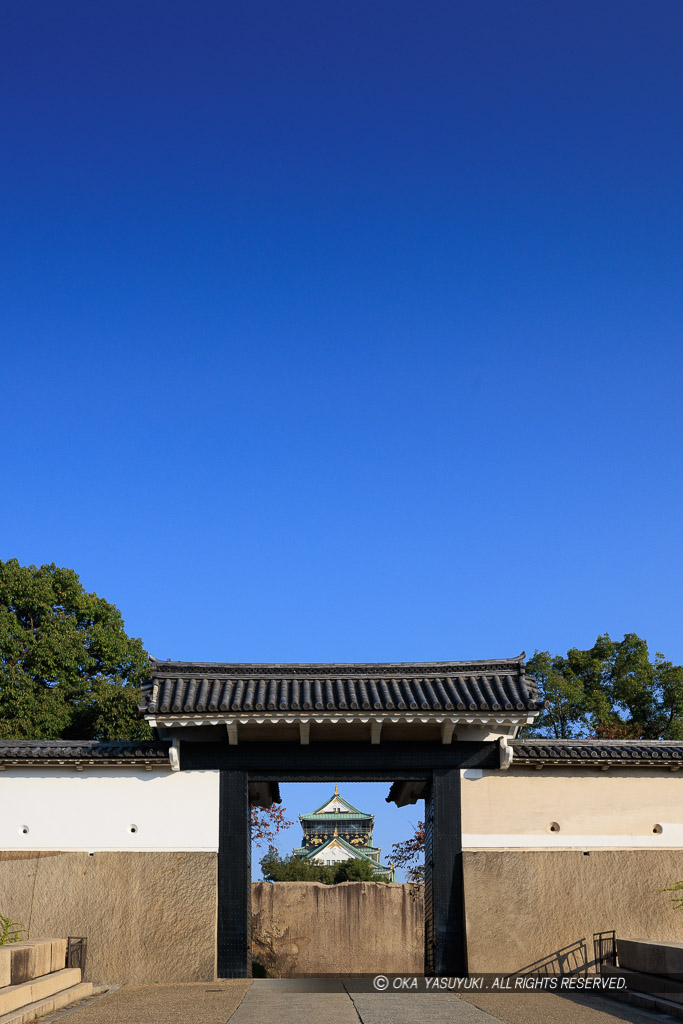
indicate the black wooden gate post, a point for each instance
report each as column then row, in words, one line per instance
column 445, row 936
column 234, row 876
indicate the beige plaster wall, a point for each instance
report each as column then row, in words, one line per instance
column 306, row 928
column 618, row 802
column 522, row 906
column 147, row 916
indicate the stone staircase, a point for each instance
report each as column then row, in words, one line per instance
column 34, row 980
column 653, row 972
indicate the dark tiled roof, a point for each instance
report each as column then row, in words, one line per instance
column 627, row 752
column 22, row 751
column 181, row 688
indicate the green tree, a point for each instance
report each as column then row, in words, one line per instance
column 297, row 869
column 294, row 869
column 67, row 667
column 410, row 855
column 356, row 870
column 613, row 690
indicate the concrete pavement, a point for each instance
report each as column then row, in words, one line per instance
column 337, row 1001
column 200, row 1003
column 292, row 1001
column 332, row 1001
column 550, row 1008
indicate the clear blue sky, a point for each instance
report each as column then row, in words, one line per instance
column 347, row 331
column 392, row 824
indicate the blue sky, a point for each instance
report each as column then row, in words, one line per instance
column 392, row 824
column 347, row 332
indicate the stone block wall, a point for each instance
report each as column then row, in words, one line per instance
column 147, row 916
column 524, row 905
column 306, row 928
column 152, row 916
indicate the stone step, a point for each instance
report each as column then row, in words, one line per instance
column 13, row 997
column 642, row 1000
column 22, row 961
column 27, row 1014
column 650, row 984
column 661, row 958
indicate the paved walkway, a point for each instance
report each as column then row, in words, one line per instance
column 200, row 1003
column 549, row 1008
column 333, row 1001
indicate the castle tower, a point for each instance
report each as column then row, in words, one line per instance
column 338, row 831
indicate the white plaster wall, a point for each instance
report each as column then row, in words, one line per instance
column 334, row 854
column 94, row 810
column 615, row 809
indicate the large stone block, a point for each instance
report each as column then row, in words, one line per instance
column 23, row 962
column 42, row 956
column 147, row 916
column 308, row 929
column 648, row 957
column 526, row 906
column 30, row 959
column 58, row 960
column 5, row 967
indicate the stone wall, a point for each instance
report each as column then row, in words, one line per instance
column 306, row 928
column 523, row 906
column 152, row 916
column 147, row 916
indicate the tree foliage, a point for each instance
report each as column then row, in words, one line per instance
column 297, row 869
column 11, row 931
column 614, row 690
column 677, row 901
column 266, row 822
column 68, row 670
column 409, row 856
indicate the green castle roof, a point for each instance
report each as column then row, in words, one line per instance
column 335, row 816
column 351, row 812
column 308, row 854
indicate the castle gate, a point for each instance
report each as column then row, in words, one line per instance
column 417, row 726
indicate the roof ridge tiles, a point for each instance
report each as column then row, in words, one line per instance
column 182, row 688
column 62, row 750
column 537, row 750
column 160, row 668
column 591, row 741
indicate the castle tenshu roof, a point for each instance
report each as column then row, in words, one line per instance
column 320, row 814
column 361, row 853
column 207, row 689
